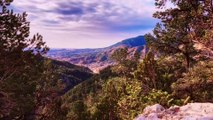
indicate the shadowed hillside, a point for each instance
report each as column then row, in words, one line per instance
column 71, row 74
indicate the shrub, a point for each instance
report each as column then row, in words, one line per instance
column 197, row 83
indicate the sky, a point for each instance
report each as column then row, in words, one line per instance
column 87, row 23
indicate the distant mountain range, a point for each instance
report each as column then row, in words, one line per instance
column 97, row 59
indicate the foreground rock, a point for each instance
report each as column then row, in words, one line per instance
column 191, row 111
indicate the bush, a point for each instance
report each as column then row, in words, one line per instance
column 161, row 97
column 197, row 83
column 126, row 98
column 159, row 73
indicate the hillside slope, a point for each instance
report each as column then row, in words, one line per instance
column 71, row 74
column 97, row 59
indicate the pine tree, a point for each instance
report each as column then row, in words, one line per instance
column 200, row 25
column 126, row 64
column 26, row 78
column 172, row 35
column 185, row 30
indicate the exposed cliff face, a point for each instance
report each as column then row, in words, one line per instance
column 97, row 59
column 191, row 111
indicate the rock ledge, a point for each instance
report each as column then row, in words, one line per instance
column 191, row 111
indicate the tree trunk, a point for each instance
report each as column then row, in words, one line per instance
column 187, row 61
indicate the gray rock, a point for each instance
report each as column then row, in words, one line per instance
column 191, row 111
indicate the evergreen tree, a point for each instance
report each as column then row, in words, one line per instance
column 185, row 30
column 25, row 76
column 172, row 35
column 200, row 26
column 126, row 64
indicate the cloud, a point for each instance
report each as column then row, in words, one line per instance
column 88, row 17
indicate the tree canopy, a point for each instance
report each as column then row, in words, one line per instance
column 26, row 78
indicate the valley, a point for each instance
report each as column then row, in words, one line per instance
column 164, row 74
column 98, row 59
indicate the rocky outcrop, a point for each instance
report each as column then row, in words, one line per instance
column 191, row 111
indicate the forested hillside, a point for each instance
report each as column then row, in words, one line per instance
column 70, row 74
column 31, row 85
column 177, row 69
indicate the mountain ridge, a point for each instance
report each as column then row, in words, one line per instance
column 132, row 42
column 98, row 58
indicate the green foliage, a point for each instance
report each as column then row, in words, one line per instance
column 115, row 98
column 174, row 59
column 185, row 30
column 130, row 100
column 106, row 109
column 120, row 55
column 70, row 74
column 163, row 98
column 21, row 91
column 173, row 36
column 121, row 99
column 107, row 73
column 19, row 65
column 185, row 34
column 197, row 83
column 27, row 85
column 79, row 112
column 147, row 71
column 158, row 73
column 126, row 64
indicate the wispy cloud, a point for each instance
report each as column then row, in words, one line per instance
column 88, row 21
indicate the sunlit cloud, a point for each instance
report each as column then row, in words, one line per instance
column 88, row 23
